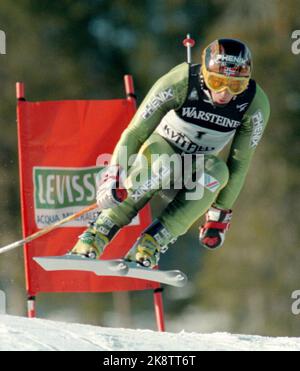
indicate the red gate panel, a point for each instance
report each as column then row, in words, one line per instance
column 59, row 142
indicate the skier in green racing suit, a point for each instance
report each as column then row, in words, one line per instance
column 193, row 109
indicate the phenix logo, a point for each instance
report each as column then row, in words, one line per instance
column 157, row 102
column 151, row 184
column 2, row 42
column 221, row 58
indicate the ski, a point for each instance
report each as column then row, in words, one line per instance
column 115, row 267
column 118, row 267
column 171, row 277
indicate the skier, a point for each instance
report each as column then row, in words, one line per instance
column 193, row 109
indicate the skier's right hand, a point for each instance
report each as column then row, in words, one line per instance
column 111, row 191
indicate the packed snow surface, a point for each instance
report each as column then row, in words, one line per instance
column 22, row 334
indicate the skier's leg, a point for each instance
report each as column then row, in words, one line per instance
column 142, row 182
column 93, row 241
column 182, row 213
column 179, row 216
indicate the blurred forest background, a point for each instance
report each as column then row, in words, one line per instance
column 80, row 49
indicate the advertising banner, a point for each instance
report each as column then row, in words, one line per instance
column 59, row 143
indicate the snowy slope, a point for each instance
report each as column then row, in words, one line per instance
column 18, row 333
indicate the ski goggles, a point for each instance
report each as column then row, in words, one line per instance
column 217, row 82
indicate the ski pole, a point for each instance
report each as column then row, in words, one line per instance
column 189, row 43
column 47, row 230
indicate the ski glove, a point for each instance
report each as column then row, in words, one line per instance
column 111, row 191
column 212, row 234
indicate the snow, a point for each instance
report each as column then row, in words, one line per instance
column 22, row 334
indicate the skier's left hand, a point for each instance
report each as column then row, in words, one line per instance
column 111, row 191
column 212, row 234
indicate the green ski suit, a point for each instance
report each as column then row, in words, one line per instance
column 178, row 117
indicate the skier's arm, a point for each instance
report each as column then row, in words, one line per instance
column 243, row 148
column 168, row 93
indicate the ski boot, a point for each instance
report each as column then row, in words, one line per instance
column 153, row 242
column 92, row 242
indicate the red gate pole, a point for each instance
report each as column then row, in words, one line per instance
column 20, row 91
column 20, row 95
column 159, row 309
column 31, row 309
column 129, row 88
